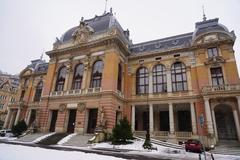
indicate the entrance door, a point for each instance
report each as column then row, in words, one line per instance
column 71, row 120
column 184, row 121
column 146, row 120
column 92, row 120
column 225, row 124
column 164, row 120
column 32, row 117
column 53, row 120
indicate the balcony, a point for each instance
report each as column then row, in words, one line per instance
column 75, row 92
column 221, row 88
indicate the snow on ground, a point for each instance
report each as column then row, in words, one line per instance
column 8, row 138
column 162, row 151
column 66, row 139
column 42, row 137
column 15, row 152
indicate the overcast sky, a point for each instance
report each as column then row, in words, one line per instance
column 29, row 27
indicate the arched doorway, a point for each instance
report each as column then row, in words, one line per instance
column 225, row 122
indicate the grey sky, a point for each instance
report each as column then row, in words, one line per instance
column 29, row 27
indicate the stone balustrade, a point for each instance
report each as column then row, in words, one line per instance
column 76, row 92
column 221, row 88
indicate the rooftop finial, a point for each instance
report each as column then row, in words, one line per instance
column 105, row 8
column 82, row 19
column 111, row 10
column 204, row 16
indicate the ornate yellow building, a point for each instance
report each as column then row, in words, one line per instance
column 8, row 93
column 177, row 87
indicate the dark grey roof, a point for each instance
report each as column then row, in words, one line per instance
column 98, row 23
column 178, row 41
column 38, row 66
column 41, row 68
column 207, row 26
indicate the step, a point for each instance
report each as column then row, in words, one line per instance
column 30, row 137
column 53, row 139
column 78, row 140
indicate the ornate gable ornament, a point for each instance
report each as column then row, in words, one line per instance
column 82, row 33
column 215, row 61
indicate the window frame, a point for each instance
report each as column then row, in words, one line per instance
column 61, row 80
column 96, row 78
column 159, row 75
column 145, row 78
column 77, row 78
column 217, row 76
column 179, row 77
column 38, row 92
column 212, row 52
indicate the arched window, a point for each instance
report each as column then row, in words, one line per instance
column 179, row 77
column 78, row 75
column 61, row 79
column 97, row 74
column 26, row 82
column 142, row 81
column 159, row 79
column 38, row 92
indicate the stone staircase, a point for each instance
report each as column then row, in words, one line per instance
column 78, row 140
column 53, row 139
column 30, row 137
column 227, row 147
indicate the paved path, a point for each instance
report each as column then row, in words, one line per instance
column 227, row 148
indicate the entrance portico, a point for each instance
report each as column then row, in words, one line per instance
column 175, row 120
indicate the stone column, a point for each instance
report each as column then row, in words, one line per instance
column 151, row 118
column 133, row 118
column 238, row 100
column 171, row 118
column 65, row 88
column 7, row 118
column 150, row 82
column 193, row 118
column 208, row 116
column 84, row 79
column 28, row 116
column 17, row 117
column 189, row 80
column 235, row 115
column 214, row 124
column 169, row 80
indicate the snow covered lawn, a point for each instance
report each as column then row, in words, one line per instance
column 17, row 152
column 162, row 151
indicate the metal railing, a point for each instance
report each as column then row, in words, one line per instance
column 183, row 134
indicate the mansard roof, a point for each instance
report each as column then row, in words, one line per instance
column 174, row 42
column 37, row 66
column 99, row 24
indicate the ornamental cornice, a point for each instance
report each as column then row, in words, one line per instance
column 107, row 41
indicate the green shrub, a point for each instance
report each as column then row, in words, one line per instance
column 122, row 132
column 19, row 128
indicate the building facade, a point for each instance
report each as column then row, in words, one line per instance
column 179, row 87
column 8, row 93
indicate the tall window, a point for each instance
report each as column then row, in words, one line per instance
column 61, row 79
column 212, row 52
column 38, row 92
column 78, row 75
column 97, row 74
column 179, row 78
column 26, row 82
column 142, row 81
column 119, row 82
column 159, row 79
column 22, row 95
column 217, row 76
